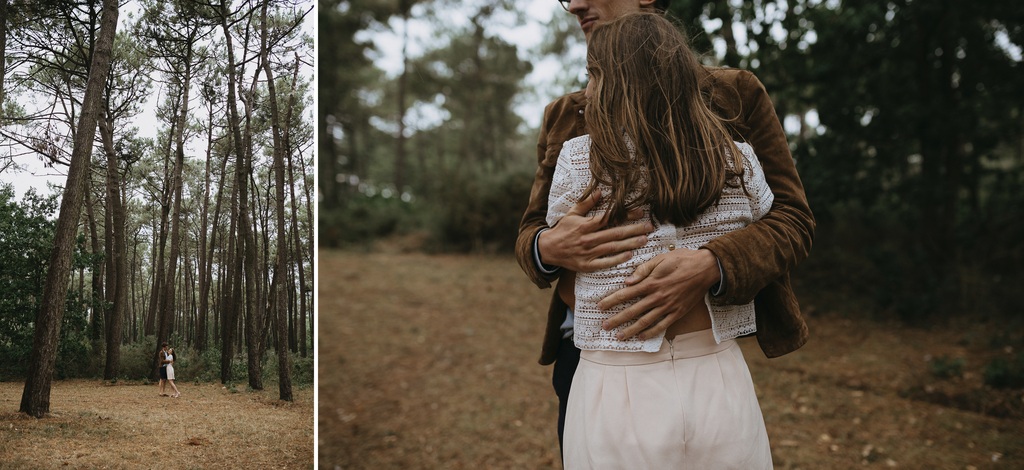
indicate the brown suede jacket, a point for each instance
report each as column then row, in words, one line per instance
column 755, row 260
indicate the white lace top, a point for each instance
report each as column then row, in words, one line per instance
column 735, row 209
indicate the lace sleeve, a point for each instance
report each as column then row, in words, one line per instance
column 761, row 197
column 570, row 179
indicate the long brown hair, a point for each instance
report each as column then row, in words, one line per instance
column 647, row 93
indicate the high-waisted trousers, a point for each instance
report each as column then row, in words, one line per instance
column 691, row 405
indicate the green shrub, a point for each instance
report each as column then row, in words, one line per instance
column 26, row 239
column 481, row 213
column 946, row 368
column 204, row 367
column 137, row 359
column 362, row 219
column 302, row 368
column 74, row 352
column 191, row 365
column 1005, row 373
column 472, row 211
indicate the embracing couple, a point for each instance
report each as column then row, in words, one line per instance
column 167, row 370
column 667, row 206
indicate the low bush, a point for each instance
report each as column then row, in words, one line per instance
column 1005, row 373
column 137, row 360
column 363, row 219
column 946, row 368
column 471, row 212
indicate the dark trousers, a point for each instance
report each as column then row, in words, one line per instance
column 561, row 378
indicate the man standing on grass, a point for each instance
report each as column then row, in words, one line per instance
column 750, row 263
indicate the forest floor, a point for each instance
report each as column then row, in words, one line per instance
column 430, row 362
column 96, row 424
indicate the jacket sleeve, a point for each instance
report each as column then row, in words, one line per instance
column 768, row 249
column 534, row 219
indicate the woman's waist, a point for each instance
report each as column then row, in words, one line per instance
column 688, row 345
column 697, row 319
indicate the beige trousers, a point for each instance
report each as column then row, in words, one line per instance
column 691, row 405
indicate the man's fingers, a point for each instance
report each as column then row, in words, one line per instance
column 622, row 317
column 611, row 300
column 608, row 261
column 645, row 320
column 624, row 233
column 644, row 327
column 641, row 272
column 616, row 247
column 586, row 205
column 623, row 295
column 660, row 327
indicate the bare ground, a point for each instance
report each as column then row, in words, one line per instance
column 95, row 424
column 430, row 362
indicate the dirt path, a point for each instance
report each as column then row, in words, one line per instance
column 97, row 425
column 430, row 362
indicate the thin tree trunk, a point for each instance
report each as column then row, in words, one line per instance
column 283, row 358
column 231, row 294
column 247, row 244
column 3, row 52
column 35, row 399
column 98, row 269
column 723, row 12
column 293, row 311
column 135, row 268
column 117, row 284
column 108, row 247
column 400, row 157
column 300, row 323
column 166, row 313
column 214, row 231
column 204, row 280
column 311, row 246
column 156, row 297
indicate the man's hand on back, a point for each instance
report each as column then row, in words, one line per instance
column 582, row 244
column 669, row 287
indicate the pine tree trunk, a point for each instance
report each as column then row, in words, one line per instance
column 35, row 399
column 246, row 246
column 208, row 267
column 159, row 251
column 300, row 324
column 283, row 358
column 3, row 52
column 167, row 307
column 98, row 269
column 204, row 280
column 231, row 302
column 117, row 283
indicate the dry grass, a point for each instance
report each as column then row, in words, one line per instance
column 98, row 425
column 430, row 362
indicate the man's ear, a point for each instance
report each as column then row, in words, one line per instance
column 647, row 3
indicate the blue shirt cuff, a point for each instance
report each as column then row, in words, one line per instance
column 717, row 289
column 543, row 268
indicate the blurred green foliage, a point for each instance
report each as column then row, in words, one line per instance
column 947, row 368
column 26, row 237
column 1005, row 373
